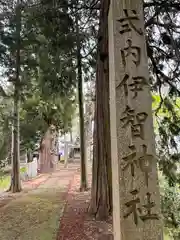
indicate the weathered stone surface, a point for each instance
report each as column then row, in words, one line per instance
column 135, row 183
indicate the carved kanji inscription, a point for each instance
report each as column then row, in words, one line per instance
column 133, row 51
column 145, row 163
column 128, row 22
column 135, row 120
column 148, row 209
column 135, row 86
column 141, row 160
column 132, row 207
column 143, row 212
column 124, row 84
column 130, row 160
column 136, row 197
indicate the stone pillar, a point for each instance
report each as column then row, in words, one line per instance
column 136, row 199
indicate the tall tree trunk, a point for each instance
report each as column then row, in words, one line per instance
column 101, row 193
column 12, row 142
column 88, row 121
column 71, row 136
column 16, row 183
column 83, row 184
column 48, row 151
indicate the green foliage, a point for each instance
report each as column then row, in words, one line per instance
column 5, row 129
column 162, row 34
column 4, row 182
column 161, row 23
column 47, row 76
column 167, row 131
column 170, row 203
column 23, row 170
column 37, row 114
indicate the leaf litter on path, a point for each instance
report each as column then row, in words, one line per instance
column 35, row 215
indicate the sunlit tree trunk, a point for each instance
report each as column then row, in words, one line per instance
column 88, row 128
column 71, row 136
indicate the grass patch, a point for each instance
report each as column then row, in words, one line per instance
column 35, row 216
column 4, row 180
column 166, row 237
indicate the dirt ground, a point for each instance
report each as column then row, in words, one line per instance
column 34, row 214
column 51, row 207
column 76, row 222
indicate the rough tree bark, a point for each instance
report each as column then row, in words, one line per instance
column 48, row 156
column 83, row 184
column 15, row 181
column 101, row 193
